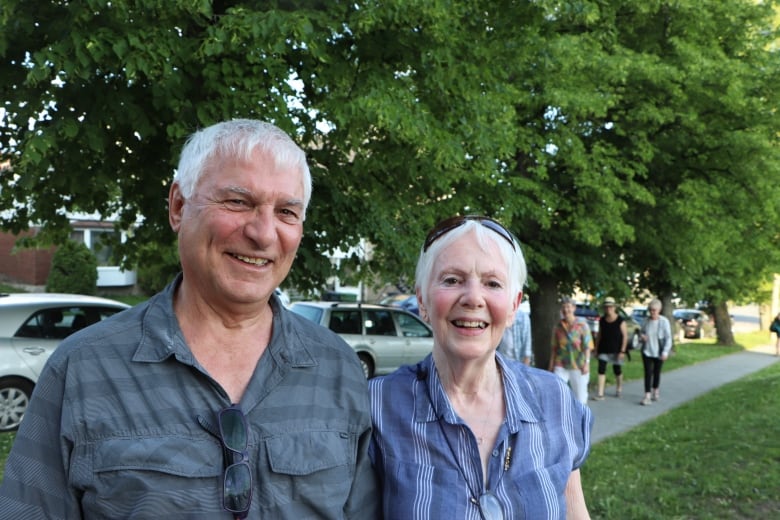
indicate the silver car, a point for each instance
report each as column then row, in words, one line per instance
column 31, row 327
column 383, row 337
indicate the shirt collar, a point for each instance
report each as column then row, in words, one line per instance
column 520, row 392
column 161, row 336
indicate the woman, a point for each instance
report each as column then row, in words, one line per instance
column 572, row 344
column 656, row 346
column 467, row 433
column 775, row 327
column 611, row 343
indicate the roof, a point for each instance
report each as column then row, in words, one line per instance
column 56, row 298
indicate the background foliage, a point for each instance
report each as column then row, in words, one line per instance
column 73, row 270
column 631, row 145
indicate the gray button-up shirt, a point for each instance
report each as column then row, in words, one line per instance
column 123, row 424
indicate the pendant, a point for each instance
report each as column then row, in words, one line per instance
column 479, row 440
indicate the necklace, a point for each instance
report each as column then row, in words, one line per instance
column 486, row 502
column 486, row 417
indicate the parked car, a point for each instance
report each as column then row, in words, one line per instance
column 690, row 321
column 640, row 314
column 383, row 337
column 404, row 301
column 283, row 296
column 633, row 329
column 31, row 327
column 591, row 314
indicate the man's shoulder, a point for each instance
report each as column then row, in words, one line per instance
column 314, row 337
column 112, row 331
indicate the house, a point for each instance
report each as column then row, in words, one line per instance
column 31, row 266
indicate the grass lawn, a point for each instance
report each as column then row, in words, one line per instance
column 683, row 354
column 715, row 457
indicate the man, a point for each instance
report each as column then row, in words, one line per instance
column 516, row 341
column 210, row 400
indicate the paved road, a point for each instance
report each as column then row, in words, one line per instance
column 614, row 416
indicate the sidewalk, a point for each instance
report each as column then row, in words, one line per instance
column 614, row 416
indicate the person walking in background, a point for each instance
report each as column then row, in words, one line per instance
column 210, row 399
column 516, row 341
column 775, row 327
column 572, row 345
column 611, row 343
column 465, row 433
column 656, row 336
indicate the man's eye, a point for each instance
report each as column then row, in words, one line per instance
column 236, row 205
column 288, row 215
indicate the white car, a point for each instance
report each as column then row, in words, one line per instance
column 383, row 337
column 31, row 327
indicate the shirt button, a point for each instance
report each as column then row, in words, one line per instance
column 495, row 453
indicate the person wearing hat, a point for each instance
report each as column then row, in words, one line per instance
column 611, row 344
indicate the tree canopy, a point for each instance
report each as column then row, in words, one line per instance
column 630, row 142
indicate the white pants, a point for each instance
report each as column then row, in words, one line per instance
column 577, row 381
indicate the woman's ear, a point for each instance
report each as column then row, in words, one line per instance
column 423, row 310
column 515, row 306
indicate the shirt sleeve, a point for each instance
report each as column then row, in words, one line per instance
column 363, row 498
column 666, row 348
column 35, row 484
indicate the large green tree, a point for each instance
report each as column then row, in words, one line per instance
column 713, row 173
column 587, row 126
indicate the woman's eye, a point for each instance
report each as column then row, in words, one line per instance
column 493, row 284
column 450, row 280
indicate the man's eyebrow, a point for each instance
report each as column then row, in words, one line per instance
column 293, row 202
column 239, row 190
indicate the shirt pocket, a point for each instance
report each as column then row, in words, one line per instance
column 540, row 489
column 422, row 491
column 169, row 473
column 316, row 464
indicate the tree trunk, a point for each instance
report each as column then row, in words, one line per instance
column 668, row 312
column 723, row 324
column 545, row 312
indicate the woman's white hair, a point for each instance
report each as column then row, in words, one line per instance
column 512, row 256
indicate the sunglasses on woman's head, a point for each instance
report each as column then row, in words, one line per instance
column 448, row 224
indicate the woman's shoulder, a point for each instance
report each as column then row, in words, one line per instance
column 402, row 377
column 542, row 381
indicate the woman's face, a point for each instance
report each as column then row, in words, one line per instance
column 567, row 311
column 467, row 299
column 654, row 313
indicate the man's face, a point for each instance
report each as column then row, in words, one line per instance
column 240, row 230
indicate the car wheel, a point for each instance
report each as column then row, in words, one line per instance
column 368, row 365
column 14, row 398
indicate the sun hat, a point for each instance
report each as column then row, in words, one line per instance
column 609, row 301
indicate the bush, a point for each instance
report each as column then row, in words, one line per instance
column 73, row 270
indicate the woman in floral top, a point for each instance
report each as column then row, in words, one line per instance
column 572, row 344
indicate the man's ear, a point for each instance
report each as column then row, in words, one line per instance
column 175, row 206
